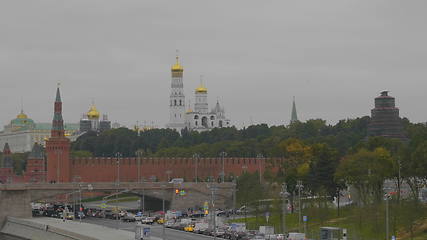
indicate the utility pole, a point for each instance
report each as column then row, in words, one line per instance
column 223, row 155
column 299, row 186
column 285, row 195
column 196, row 157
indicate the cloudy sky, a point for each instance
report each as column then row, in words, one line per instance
column 335, row 56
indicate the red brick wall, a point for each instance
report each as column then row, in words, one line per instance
column 58, row 157
column 105, row 169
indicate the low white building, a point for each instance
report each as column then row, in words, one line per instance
column 201, row 119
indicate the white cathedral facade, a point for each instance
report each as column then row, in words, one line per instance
column 199, row 118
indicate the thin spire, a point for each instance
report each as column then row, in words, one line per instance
column 294, row 116
column 177, row 56
column 58, row 94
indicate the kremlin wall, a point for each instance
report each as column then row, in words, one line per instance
column 55, row 164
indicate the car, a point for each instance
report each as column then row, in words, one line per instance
column 189, row 228
column 177, row 180
column 80, row 215
column 147, row 220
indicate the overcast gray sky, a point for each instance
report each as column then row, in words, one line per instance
column 335, row 56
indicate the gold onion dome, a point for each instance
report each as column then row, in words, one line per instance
column 201, row 89
column 22, row 115
column 93, row 113
column 177, row 66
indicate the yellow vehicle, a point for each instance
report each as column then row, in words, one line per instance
column 189, row 228
column 161, row 221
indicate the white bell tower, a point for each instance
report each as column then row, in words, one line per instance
column 177, row 98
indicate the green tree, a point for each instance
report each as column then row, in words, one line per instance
column 366, row 172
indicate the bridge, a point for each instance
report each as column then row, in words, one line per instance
column 15, row 199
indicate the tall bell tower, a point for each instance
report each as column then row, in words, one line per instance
column 177, row 98
column 58, row 147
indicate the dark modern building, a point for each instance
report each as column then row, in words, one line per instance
column 385, row 120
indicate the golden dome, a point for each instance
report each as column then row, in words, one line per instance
column 201, row 89
column 93, row 113
column 22, row 115
column 177, row 67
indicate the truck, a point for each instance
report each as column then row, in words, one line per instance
column 266, row 230
column 296, row 236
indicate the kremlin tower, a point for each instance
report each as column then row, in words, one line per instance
column 385, row 120
column 177, row 98
column 58, row 147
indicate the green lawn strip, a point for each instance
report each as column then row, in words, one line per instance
column 361, row 223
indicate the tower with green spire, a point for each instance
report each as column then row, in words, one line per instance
column 294, row 116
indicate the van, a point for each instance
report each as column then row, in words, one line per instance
column 177, row 180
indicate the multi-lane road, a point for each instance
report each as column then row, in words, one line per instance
column 156, row 230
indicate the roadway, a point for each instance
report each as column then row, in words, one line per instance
column 156, row 230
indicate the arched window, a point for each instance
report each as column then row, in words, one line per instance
column 180, row 102
column 195, row 123
column 196, row 117
column 212, row 117
column 205, row 122
column 174, row 102
column 220, row 123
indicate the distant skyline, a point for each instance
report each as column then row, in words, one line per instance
column 334, row 56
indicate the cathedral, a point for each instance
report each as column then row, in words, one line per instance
column 199, row 118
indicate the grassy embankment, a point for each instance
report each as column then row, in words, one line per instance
column 362, row 223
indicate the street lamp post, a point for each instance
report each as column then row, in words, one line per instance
column 299, row 186
column 164, row 214
column 387, row 198
column 140, row 180
column 118, row 155
column 285, row 195
column 234, row 197
column 196, row 157
column 223, row 155
column 213, row 212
